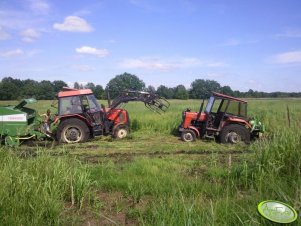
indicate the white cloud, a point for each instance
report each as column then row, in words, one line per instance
column 3, row 34
column 32, row 53
column 39, row 6
column 92, row 51
column 84, row 67
column 232, row 42
column 166, row 64
column 73, row 24
column 287, row 57
column 30, row 35
column 12, row 53
column 290, row 33
column 149, row 64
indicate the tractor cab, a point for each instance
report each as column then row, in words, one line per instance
column 79, row 102
column 224, row 119
column 221, row 108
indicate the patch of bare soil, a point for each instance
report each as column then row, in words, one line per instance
column 128, row 156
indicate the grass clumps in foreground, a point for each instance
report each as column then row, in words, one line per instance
column 207, row 189
column 34, row 191
column 278, row 163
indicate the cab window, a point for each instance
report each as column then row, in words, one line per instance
column 70, row 105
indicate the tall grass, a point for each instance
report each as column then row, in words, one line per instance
column 34, row 191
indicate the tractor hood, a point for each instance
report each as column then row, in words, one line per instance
column 24, row 102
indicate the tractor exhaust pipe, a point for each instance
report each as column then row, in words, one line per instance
column 108, row 97
column 201, row 107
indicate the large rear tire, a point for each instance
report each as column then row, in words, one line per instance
column 188, row 135
column 73, row 131
column 235, row 133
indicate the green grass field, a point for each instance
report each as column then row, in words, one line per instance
column 152, row 177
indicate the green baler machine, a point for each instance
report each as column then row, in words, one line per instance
column 19, row 123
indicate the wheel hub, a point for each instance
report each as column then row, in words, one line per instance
column 72, row 135
column 188, row 137
column 122, row 133
column 233, row 137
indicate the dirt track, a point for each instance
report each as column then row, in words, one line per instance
column 130, row 155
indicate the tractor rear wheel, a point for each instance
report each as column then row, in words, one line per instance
column 235, row 133
column 188, row 135
column 73, row 131
column 120, row 131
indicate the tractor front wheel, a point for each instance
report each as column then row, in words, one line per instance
column 235, row 133
column 188, row 135
column 73, row 131
column 120, row 132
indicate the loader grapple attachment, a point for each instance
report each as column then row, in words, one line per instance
column 151, row 100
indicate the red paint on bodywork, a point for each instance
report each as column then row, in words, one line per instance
column 190, row 116
column 75, row 92
column 119, row 116
column 235, row 120
column 228, row 97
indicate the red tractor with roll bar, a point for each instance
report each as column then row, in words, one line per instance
column 80, row 117
column 224, row 119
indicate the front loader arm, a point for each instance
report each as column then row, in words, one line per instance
column 151, row 100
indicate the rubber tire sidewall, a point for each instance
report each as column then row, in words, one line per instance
column 186, row 132
column 240, row 130
column 73, row 122
column 116, row 130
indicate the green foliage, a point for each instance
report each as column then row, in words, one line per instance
column 202, row 89
column 13, row 89
column 227, row 90
column 165, row 92
column 181, row 93
column 123, row 82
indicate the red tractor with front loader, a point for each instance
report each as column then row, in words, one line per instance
column 224, row 119
column 80, row 117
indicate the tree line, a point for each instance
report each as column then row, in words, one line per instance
column 13, row 89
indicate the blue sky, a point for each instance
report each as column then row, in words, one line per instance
column 251, row 44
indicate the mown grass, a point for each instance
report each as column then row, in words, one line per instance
column 162, row 180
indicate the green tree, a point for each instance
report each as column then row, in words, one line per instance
column 202, row 89
column 30, row 88
column 45, row 90
column 99, row 92
column 166, row 92
column 181, row 93
column 58, row 85
column 151, row 89
column 123, row 82
column 227, row 90
column 10, row 89
column 76, row 85
column 90, row 85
